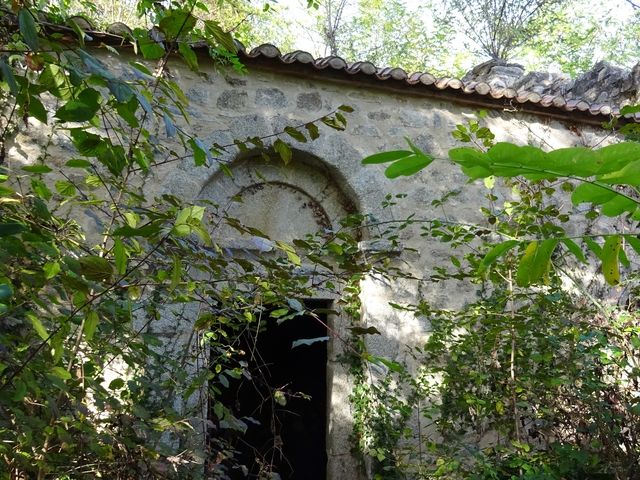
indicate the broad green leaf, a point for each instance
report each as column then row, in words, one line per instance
column 390, row 364
column 78, row 163
column 151, row 50
column 535, row 262
column 37, row 169
column 629, row 109
column 20, row 391
column 169, row 126
column 11, row 228
column 116, row 384
column 280, row 312
column 96, row 268
column 188, row 55
column 222, row 38
column 408, row 166
column 634, row 242
column 575, row 249
column 177, row 23
column 37, row 325
column 283, row 150
column 610, row 259
column 189, row 214
column 495, row 253
column 508, row 160
column 474, row 163
column 61, row 373
column 6, row 292
column 618, row 205
column 36, row 109
column 51, row 269
column 385, row 157
column 120, row 256
column 574, row 161
column 6, row 73
column 612, row 158
column 590, row 193
column 87, row 143
column 81, row 109
column 90, row 324
column 120, row 90
column 312, row 128
column 65, row 188
column 295, row 134
column 199, row 152
column 28, row 29
column 594, row 247
column 627, row 175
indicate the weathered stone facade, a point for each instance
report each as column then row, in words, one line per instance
column 326, row 180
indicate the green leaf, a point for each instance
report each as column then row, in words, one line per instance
column 295, row 134
column 11, row 228
column 345, row 108
column 308, row 341
column 188, row 55
column 6, row 73
column 474, row 163
column 199, row 152
column 96, row 268
column 65, row 188
column 6, row 292
column 283, row 150
column 495, row 253
column 37, row 169
column 37, row 325
column 535, row 262
column 594, row 247
column 590, row 193
column 120, row 256
column 408, row 166
column 629, row 109
column 28, row 29
column 36, row 109
column 575, row 249
column 391, row 365
column 81, row 109
column 78, row 163
column 61, row 373
column 116, row 384
column 312, row 128
column 634, row 242
column 150, row 49
column 177, row 23
column 51, row 269
column 224, row 39
column 87, row 143
column 610, row 259
column 120, row 90
column 20, row 391
column 385, row 157
column 90, row 324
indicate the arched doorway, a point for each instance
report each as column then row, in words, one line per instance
column 286, row 203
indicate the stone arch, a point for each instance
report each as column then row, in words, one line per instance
column 307, row 196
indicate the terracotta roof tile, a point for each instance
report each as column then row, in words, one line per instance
column 119, row 34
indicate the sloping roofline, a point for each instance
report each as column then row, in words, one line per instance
column 396, row 80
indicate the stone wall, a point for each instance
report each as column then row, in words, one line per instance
column 325, row 181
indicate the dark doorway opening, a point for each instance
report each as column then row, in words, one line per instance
column 284, row 405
